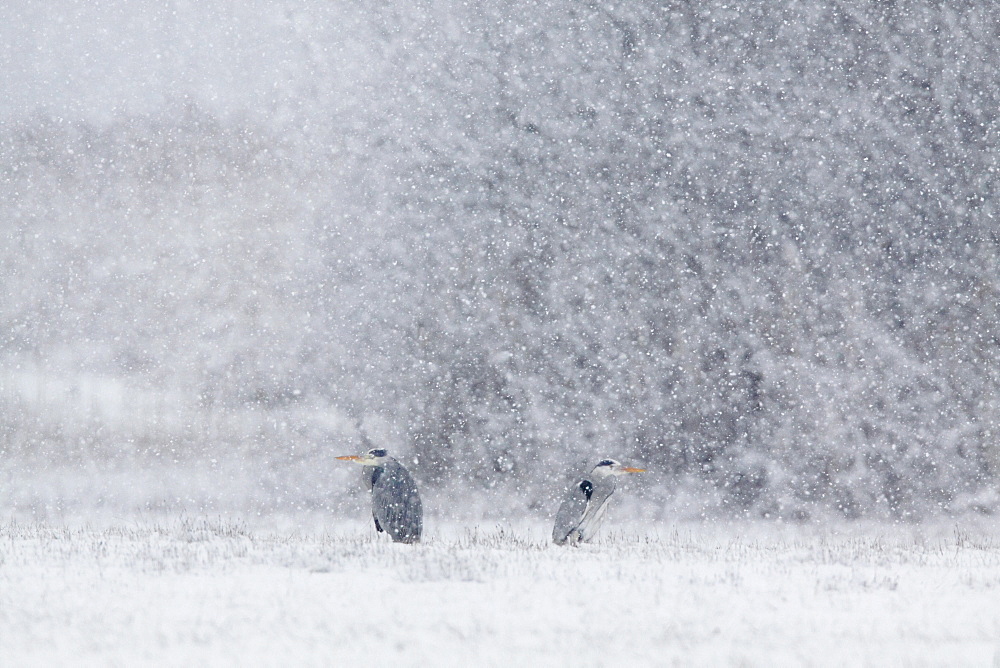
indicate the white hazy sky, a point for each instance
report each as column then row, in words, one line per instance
column 96, row 59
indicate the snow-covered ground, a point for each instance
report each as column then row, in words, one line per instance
column 184, row 591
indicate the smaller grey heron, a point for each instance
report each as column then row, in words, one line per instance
column 586, row 501
column 396, row 504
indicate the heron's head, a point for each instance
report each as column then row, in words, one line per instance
column 374, row 457
column 611, row 467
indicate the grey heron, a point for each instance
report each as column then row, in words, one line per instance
column 395, row 502
column 586, row 501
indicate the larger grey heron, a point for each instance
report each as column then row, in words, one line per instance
column 582, row 511
column 395, row 502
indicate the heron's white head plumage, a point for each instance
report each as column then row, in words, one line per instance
column 607, row 467
column 374, row 457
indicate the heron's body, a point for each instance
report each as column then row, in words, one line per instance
column 582, row 511
column 396, row 506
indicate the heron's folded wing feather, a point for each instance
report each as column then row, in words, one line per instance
column 396, row 504
column 594, row 515
column 572, row 510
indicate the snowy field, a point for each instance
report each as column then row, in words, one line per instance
column 187, row 591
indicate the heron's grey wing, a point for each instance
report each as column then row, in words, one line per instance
column 594, row 515
column 396, row 504
column 572, row 510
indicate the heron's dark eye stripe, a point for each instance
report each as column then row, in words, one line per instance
column 605, row 462
column 377, row 452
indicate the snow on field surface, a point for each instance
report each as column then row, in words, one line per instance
column 214, row 592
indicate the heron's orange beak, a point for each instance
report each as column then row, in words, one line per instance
column 629, row 469
column 350, row 458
